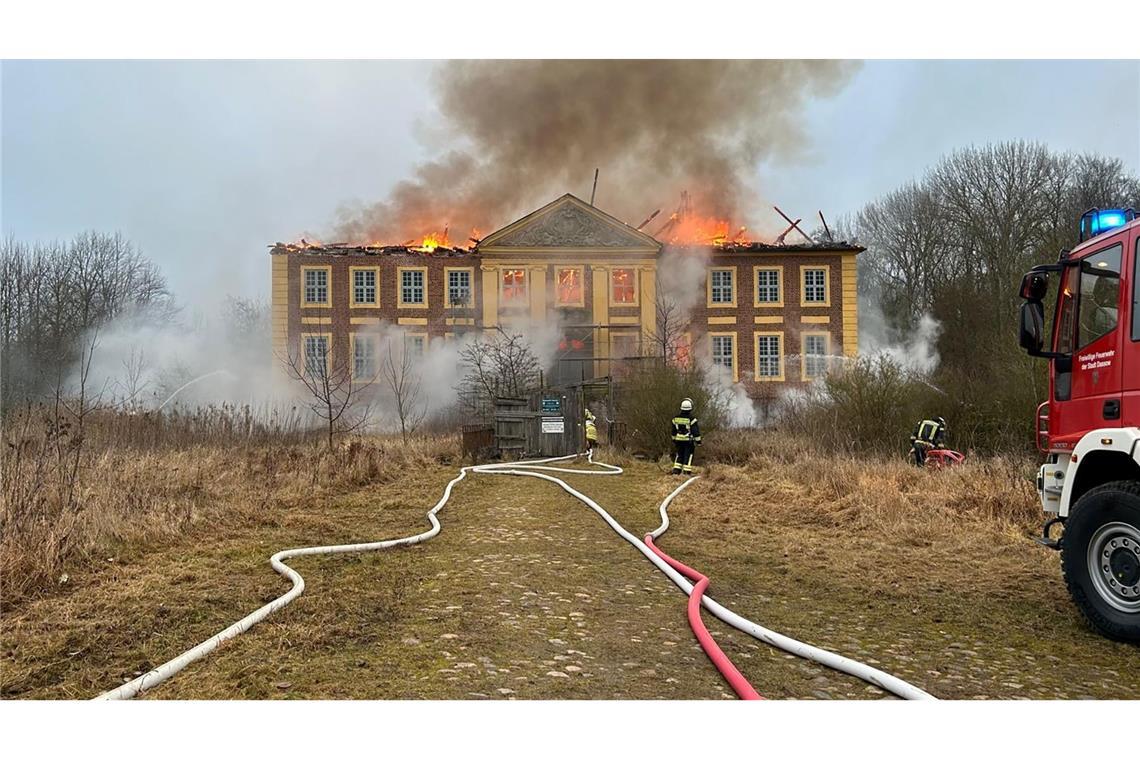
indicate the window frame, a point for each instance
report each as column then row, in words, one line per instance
column 328, row 350
column 515, row 303
column 826, row 302
column 735, row 352
column 1081, row 314
column 804, row 354
column 352, row 302
column 353, row 337
column 581, row 302
column 779, row 302
column 636, row 288
column 447, row 302
column 780, row 363
column 327, row 269
column 617, row 334
column 686, row 342
column 408, row 336
column 709, row 288
column 400, row 288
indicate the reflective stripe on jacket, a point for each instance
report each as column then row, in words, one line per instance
column 591, row 431
column 686, row 429
column 928, row 431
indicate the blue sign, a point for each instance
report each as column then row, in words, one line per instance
column 552, row 406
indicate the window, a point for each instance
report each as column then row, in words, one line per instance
column 1100, row 295
column 568, row 286
column 768, row 286
column 721, row 287
column 815, row 355
column 363, row 356
column 1066, row 330
column 415, row 344
column 412, row 292
column 514, row 287
column 459, row 288
column 316, row 354
column 682, row 351
column 625, row 345
column 623, row 286
column 723, row 347
column 315, row 285
column 363, row 286
column 814, row 286
column 769, row 364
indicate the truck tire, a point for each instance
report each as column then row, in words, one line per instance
column 1100, row 557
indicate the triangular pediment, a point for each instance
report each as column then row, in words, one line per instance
column 569, row 223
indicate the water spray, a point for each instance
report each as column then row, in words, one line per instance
column 187, row 385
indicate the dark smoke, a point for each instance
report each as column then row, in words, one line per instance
column 527, row 131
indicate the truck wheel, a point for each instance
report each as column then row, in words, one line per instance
column 1100, row 556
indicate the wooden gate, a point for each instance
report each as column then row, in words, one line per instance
column 548, row 423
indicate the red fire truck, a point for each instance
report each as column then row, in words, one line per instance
column 1089, row 428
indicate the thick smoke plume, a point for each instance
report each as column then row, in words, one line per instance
column 523, row 132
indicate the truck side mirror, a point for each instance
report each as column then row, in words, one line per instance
column 1032, row 336
column 1034, row 286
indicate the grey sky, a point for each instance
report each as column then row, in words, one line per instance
column 203, row 164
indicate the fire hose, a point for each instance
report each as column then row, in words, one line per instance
column 528, row 469
column 864, row 672
column 719, row 659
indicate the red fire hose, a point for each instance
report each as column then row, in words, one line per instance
column 734, row 677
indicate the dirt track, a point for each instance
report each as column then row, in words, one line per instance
column 528, row 594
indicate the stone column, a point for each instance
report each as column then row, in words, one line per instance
column 648, row 276
column 538, row 294
column 601, row 296
column 490, row 296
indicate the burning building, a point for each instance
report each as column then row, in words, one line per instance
column 765, row 313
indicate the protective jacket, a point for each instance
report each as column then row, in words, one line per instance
column 685, row 428
column 686, row 435
column 591, row 430
column 929, row 432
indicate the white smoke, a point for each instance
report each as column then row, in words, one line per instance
column 139, row 366
column 914, row 350
column 681, row 276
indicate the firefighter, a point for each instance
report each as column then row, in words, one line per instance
column 686, row 437
column 591, row 431
column 927, row 435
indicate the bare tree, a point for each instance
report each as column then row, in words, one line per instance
column 399, row 374
column 499, row 364
column 332, row 393
column 667, row 340
column 53, row 294
column 134, row 382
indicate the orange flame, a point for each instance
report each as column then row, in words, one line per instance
column 434, row 240
column 695, row 229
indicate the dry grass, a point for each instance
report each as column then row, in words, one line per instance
column 137, row 481
column 930, row 575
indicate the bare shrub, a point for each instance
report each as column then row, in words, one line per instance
column 868, row 406
column 649, row 396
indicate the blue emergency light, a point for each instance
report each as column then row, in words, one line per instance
column 1097, row 221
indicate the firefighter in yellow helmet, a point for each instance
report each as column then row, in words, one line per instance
column 686, row 437
column 591, row 431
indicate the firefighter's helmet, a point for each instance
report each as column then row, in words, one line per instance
column 687, row 405
column 941, row 421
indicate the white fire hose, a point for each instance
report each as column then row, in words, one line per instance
column 530, row 469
